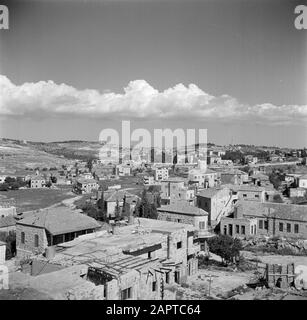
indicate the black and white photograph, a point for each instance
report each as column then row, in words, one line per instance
column 153, row 150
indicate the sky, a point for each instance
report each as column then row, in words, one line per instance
column 72, row 68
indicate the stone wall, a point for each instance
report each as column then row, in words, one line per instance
column 183, row 218
column 28, row 247
column 250, row 226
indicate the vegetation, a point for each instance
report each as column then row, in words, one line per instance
column 93, row 211
column 235, row 156
column 145, row 209
column 226, row 247
column 13, row 184
column 10, row 240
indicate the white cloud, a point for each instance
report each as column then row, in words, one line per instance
column 138, row 100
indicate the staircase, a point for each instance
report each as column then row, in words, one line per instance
column 227, row 209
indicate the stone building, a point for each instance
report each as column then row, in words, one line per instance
column 143, row 260
column 37, row 182
column 123, row 170
column 181, row 212
column 273, row 219
column 40, row 229
column 110, row 198
column 302, row 181
column 234, row 176
column 207, row 179
column 84, row 186
column 217, row 202
column 161, row 173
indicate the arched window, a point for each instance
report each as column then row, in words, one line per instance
column 23, row 237
column 36, row 242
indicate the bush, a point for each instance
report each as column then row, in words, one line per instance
column 226, row 247
column 10, row 240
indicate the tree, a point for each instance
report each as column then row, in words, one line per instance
column 277, row 198
column 117, row 211
column 90, row 164
column 9, row 180
column 53, row 179
column 10, row 240
column 225, row 246
column 4, row 187
column 48, row 184
column 275, row 179
column 145, row 209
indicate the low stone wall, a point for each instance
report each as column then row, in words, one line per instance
column 277, row 244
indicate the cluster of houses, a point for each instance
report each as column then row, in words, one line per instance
column 143, row 258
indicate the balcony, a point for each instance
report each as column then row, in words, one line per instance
column 205, row 233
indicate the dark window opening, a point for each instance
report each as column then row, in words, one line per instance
column 36, row 241
column 23, row 237
column 296, row 228
column 243, row 229
column 154, row 286
column 237, row 228
column 126, row 294
column 260, row 224
column 288, row 227
column 167, row 277
column 179, row 245
column 281, row 227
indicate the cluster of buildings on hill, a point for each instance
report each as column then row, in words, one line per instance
column 143, row 258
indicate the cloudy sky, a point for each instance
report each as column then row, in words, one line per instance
column 72, row 68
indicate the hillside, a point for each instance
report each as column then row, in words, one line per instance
column 16, row 155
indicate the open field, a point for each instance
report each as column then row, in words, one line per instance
column 32, row 199
column 17, row 156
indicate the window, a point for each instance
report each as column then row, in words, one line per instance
column 266, row 225
column 167, row 277
column 202, row 225
column 260, row 224
column 36, row 241
column 23, row 237
column 281, row 227
column 243, row 229
column 244, row 195
column 154, row 286
column 126, row 294
column 237, row 228
column 256, row 195
column 296, row 228
column 288, row 227
column 179, row 245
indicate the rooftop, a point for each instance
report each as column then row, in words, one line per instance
column 183, row 208
column 59, row 220
column 209, row 192
column 85, row 181
column 7, row 221
column 107, row 247
column 278, row 210
column 118, row 195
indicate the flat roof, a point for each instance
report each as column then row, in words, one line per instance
column 105, row 246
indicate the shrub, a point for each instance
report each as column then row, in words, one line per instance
column 226, row 247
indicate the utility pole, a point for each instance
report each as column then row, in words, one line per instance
column 210, row 281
